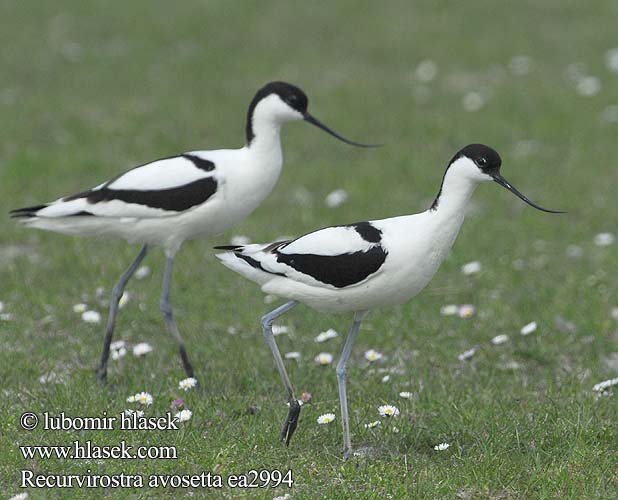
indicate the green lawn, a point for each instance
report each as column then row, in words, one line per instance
column 88, row 90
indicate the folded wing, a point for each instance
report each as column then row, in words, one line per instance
column 334, row 257
column 158, row 189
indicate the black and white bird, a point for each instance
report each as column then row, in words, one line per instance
column 168, row 201
column 366, row 265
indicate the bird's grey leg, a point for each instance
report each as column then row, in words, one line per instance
column 341, row 381
column 291, row 421
column 113, row 311
column 168, row 315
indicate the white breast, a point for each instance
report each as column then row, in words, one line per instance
column 417, row 245
column 243, row 182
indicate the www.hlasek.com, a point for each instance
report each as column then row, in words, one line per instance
column 87, row 450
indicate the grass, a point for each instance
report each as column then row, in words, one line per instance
column 88, row 90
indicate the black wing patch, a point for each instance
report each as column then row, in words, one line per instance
column 277, row 245
column 26, row 211
column 367, row 232
column 239, row 248
column 200, row 163
column 176, row 199
column 337, row 270
column 229, row 248
column 254, row 263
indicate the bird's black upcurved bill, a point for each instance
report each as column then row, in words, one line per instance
column 504, row 183
column 314, row 121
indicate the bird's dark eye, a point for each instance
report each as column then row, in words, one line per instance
column 482, row 161
column 295, row 100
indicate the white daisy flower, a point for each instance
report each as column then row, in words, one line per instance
column 142, row 272
column 336, row 198
column 324, row 358
column 128, row 412
column 292, row 355
column 510, row 365
column 184, row 415
column 449, row 310
column 606, row 384
column 20, row 496
column 144, row 398
column 50, row 378
column 388, row 411
column 91, row 317
column 117, row 344
column 529, row 328
column 588, row 86
column 406, row 395
column 124, row 300
column 141, row 349
column 80, row 308
column 372, row 355
column 473, row 101
column 611, row 60
column 467, row 354
column 187, row 383
column 386, row 378
column 280, row 329
column 240, row 239
column 327, row 335
column 500, row 339
column 441, row 447
column 118, row 353
column 327, row 418
column 287, row 496
column 141, row 397
column 604, row 239
column 471, row 268
column 466, row 311
column 373, row 424
column 426, row 70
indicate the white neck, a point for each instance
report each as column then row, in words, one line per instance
column 454, row 195
column 263, row 128
column 266, row 134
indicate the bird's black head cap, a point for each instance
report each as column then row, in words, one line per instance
column 290, row 94
column 486, row 158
